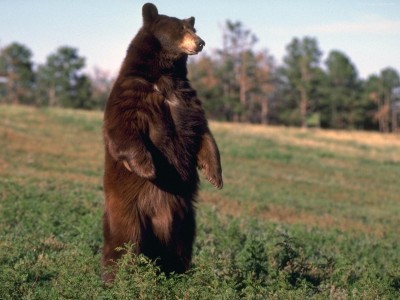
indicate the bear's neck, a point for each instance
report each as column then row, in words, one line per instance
column 146, row 59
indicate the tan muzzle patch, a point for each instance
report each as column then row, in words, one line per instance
column 190, row 44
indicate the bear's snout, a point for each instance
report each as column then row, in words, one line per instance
column 200, row 44
column 192, row 43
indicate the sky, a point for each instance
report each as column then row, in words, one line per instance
column 367, row 31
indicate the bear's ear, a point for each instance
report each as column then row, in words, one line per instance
column 191, row 21
column 149, row 12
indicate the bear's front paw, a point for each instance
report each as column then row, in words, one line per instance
column 214, row 177
column 217, row 181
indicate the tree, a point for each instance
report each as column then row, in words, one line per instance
column 379, row 91
column 101, row 84
column 301, row 67
column 389, row 79
column 237, row 67
column 237, row 85
column 61, row 82
column 264, row 88
column 16, row 69
column 371, row 96
column 342, row 106
column 203, row 76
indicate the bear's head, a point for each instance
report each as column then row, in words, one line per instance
column 174, row 35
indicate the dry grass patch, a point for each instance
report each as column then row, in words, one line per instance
column 35, row 145
column 372, row 145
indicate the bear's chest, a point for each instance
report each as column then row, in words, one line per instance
column 180, row 104
column 181, row 119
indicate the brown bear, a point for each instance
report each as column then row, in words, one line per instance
column 156, row 136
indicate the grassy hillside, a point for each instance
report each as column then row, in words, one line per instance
column 302, row 214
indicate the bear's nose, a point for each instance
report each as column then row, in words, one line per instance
column 200, row 43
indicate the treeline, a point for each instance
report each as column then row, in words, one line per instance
column 240, row 84
column 236, row 83
column 60, row 81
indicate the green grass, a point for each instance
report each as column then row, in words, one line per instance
column 303, row 214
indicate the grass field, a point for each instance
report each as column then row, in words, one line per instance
column 303, row 214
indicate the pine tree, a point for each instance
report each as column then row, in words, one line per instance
column 301, row 69
column 61, row 81
column 16, row 70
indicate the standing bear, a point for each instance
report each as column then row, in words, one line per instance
column 156, row 136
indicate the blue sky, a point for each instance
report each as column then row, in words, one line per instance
column 368, row 31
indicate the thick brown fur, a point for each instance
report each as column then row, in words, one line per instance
column 156, row 136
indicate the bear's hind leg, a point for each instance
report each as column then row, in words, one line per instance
column 109, row 255
column 178, row 255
